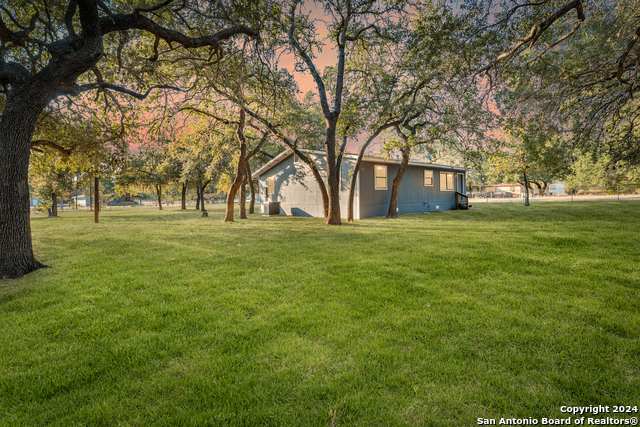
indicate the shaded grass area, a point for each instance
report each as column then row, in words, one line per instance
column 166, row 318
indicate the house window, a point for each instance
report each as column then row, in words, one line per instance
column 428, row 178
column 513, row 189
column 381, row 177
column 552, row 187
column 271, row 183
column 446, row 181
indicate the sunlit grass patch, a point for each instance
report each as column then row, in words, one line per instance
column 167, row 318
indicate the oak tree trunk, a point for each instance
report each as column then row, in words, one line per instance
column 96, row 198
column 233, row 190
column 242, row 197
column 184, row 196
column 237, row 182
column 526, row 188
column 252, row 190
column 332, row 213
column 17, row 125
column 395, row 188
column 201, row 193
column 198, row 198
column 159, row 192
column 54, row 205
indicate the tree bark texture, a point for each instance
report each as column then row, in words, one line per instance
column 395, row 188
column 54, row 205
column 526, row 189
column 332, row 215
column 252, row 190
column 248, row 178
column 240, row 171
column 243, row 191
column 96, row 198
column 184, row 196
column 201, row 187
column 159, row 193
column 16, row 129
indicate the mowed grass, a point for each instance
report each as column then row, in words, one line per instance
column 168, row 319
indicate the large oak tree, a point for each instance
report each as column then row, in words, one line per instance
column 45, row 49
column 575, row 61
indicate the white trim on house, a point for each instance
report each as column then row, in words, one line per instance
column 424, row 177
column 271, row 163
column 453, row 183
column 375, row 177
column 411, row 162
column 464, row 184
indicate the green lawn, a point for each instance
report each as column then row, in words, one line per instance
column 166, row 318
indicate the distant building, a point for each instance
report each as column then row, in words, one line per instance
column 557, row 189
column 499, row 190
column 515, row 190
column 82, row 200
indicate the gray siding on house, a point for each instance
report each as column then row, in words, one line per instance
column 413, row 195
column 298, row 193
column 297, row 190
column 295, row 187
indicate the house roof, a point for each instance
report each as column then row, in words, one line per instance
column 286, row 153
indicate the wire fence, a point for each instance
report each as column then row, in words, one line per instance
column 616, row 193
column 62, row 206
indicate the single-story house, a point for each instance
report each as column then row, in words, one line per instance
column 425, row 187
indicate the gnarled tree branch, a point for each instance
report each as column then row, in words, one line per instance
column 103, row 85
column 44, row 143
column 541, row 27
